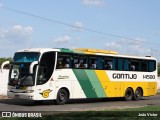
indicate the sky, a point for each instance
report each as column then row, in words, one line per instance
column 129, row 27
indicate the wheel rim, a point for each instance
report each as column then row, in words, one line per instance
column 128, row 95
column 62, row 97
column 138, row 94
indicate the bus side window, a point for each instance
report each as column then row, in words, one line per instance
column 99, row 63
column 67, row 63
column 93, row 62
column 75, row 63
column 63, row 61
column 152, row 65
column 83, row 61
column 108, row 63
column 123, row 64
column 59, row 63
column 126, row 65
column 134, row 65
column 120, row 64
column 144, row 66
column 132, row 68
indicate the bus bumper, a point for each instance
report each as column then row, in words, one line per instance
column 28, row 96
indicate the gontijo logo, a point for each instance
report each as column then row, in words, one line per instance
column 45, row 93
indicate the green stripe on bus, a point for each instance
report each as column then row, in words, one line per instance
column 85, row 83
column 66, row 50
column 78, row 52
column 70, row 51
column 95, row 83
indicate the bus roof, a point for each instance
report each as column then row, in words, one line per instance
column 41, row 50
column 103, row 53
column 84, row 51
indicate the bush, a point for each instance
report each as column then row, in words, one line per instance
column 4, row 59
column 158, row 71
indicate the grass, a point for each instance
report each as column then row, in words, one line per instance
column 116, row 114
column 146, row 108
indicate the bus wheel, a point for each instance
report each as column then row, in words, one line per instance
column 138, row 94
column 129, row 94
column 62, row 97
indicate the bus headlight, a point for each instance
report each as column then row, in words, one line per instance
column 29, row 91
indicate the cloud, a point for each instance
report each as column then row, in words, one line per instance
column 78, row 26
column 130, row 47
column 14, row 38
column 65, row 41
column 62, row 39
column 16, row 34
column 113, row 44
column 1, row 5
column 93, row 2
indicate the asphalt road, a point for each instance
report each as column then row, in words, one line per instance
column 77, row 105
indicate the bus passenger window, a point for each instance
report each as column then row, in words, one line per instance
column 75, row 63
column 132, row 68
column 100, row 63
column 152, row 66
column 83, row 62
column 81, row 65
column 63, row 61
column 108, row 64
column 134, row 65
column 93, row 63
column 59, row 63
column 144, row 66
column 123, row 64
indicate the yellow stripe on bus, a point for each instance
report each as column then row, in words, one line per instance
column 103, row 78
column 117, row 89
column 88, row 52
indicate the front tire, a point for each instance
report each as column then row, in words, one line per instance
column 129, row 94
column 62, row 97
column 138, row 94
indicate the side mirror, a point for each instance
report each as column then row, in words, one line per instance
column 3, row 64
column 31, row 66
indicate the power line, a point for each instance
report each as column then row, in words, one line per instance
column 66, row 24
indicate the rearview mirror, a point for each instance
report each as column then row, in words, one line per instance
column 32, row 66
column 3, row 64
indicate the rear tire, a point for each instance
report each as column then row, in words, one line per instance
column 62, row 97
column 138, row 94
column 129, row 94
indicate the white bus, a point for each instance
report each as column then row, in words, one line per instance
column 63, row 74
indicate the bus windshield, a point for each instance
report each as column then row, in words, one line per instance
column 26, row 56
column 19, row 75
column 19, row 72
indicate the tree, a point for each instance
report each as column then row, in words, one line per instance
column 4, row 59
column 159, row 69
column 159, row 64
